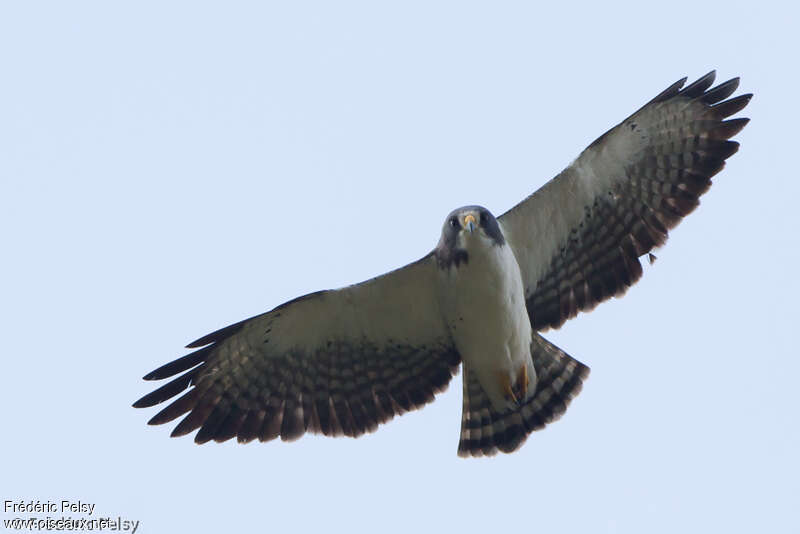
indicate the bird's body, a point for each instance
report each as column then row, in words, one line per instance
column 482, row 301
column 341, row 362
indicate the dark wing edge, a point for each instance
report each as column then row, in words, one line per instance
column 336, row 362
column 579, row 238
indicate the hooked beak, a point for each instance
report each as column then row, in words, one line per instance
column 469, row 223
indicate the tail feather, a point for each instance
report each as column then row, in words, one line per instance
column 484, row 430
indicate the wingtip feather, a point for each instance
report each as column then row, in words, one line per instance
column 720, row 92
column 699, row 86
column 730, row 107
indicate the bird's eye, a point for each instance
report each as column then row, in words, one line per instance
column 484, row 217
column 453, row 222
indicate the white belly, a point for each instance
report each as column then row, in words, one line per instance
column 484, row 306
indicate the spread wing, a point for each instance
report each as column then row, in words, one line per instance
column 333, row 362
column 578, row 239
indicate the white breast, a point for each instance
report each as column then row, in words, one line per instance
column 484, row 307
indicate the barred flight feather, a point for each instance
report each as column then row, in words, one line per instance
column 341, row 390
column 641, row 178
column 333, row 362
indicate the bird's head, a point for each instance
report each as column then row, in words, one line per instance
column 467, row 230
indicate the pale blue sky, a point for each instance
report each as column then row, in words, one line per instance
column 161, row 162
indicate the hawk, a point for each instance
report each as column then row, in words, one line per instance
column 343, row 361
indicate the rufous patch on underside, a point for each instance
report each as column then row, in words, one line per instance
column 517, row 389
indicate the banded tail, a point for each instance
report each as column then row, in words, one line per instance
column 484, row 431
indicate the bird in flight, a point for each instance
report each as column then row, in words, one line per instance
column 343, row 361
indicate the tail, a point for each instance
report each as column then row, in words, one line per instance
column 484, row 431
